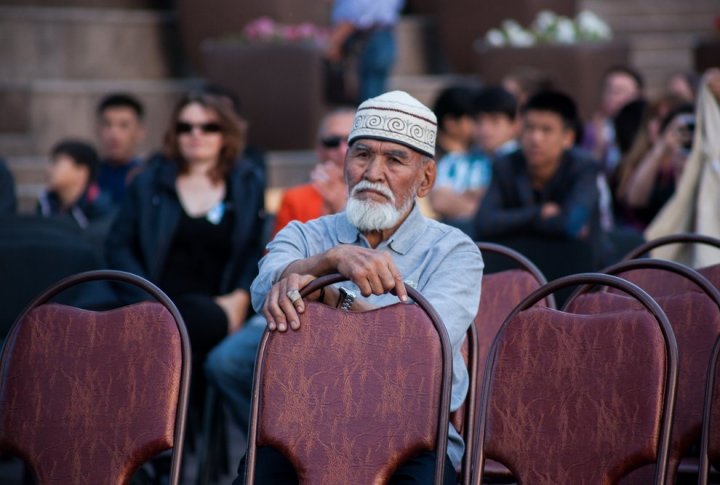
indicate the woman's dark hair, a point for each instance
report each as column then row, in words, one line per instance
column 628, row 122
column 233, row 129
column 81, row 153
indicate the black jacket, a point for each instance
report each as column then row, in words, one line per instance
column 140, row 237
column 511, row 207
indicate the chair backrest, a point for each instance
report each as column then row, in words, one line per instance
column 561, row 401
column 692, row 305
column 501, row 292
column 352, row 395
column 710, row 441
column 686, row 238
column 88, row 397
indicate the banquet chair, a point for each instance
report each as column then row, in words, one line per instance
column 710, row 441
column 711, row 272
column 561, row 401
column 501, row 292
column 692, row 305
column 350, row 396
column 87, row 397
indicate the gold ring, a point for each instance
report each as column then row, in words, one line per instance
column 294, row 295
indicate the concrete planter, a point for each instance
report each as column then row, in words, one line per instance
column 706, row 54
column 200, row 20
column 575, row 69
column 281, row 88
column 461, row 22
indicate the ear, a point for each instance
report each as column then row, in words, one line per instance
column 568, row 139
column 428, row 174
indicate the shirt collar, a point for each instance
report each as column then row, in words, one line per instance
column 401, row 241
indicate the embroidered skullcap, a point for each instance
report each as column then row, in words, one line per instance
column 397, row 117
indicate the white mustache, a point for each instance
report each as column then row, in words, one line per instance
column 375, row 186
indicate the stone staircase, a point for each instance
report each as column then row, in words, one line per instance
column 661, row 33
column 56, row 62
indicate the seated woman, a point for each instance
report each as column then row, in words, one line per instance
column 193, row 223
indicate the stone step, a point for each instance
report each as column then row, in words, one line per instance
column 144, row 4
column 87, row 43
column 59, row 109
column 417, row 51
column 426, row 88
column 16, row 144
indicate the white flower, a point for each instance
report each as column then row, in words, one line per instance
column 495, row 38
column 516, row 35
column 544, row 21
column 565, row 31
column 592, row 27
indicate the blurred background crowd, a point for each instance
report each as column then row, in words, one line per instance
column 173, row 139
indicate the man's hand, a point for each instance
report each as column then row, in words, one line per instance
column 235, row 305
column 549, row 209
column 279, row 309
column 374, row 272
column 328, row 180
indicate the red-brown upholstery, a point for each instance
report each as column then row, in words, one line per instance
column 565, row 404
column 712, row 273
column 695, row 319
column 351, row 396
column 87, row 397
column 710, row 444
column 501, row 292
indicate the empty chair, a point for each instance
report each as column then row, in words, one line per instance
column 350, row 396
column 692, row 305
column 562, row 400
column 710, row 443
column 689, row 242
column 501, row 292
column 87, row 397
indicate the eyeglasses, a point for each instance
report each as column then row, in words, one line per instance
column 183, row 128
column 332, row 141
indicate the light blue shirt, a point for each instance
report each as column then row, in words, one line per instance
column 439, row 261
column 364, row 14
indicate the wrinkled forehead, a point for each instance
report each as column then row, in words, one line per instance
column 384, row 146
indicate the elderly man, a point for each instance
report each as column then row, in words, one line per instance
column 381, row 242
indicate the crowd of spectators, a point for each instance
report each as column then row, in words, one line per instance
column 514, row 162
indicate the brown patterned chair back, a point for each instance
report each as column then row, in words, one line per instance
column 561, row 401
column 87, row 397
column 501, row 292
column 350, row 396
column 692, row 305
column 710, row 442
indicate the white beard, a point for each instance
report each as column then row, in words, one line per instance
column 368, row 215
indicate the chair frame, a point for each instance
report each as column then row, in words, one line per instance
column 522, row 261
column 473, row 358
column 444, row 408
column 662, row 264
column 704, row 471
column 163, row 299
column 679, row 238
column 671, row 349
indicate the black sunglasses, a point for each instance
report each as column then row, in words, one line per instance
column 332, row 141
column 182, row 127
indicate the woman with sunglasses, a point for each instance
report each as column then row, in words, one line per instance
column 193, row 223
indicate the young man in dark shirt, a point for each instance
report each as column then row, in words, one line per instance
column 544, row 190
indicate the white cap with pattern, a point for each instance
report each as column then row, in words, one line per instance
column 397, row 117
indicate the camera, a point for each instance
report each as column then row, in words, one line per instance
column 686, row 125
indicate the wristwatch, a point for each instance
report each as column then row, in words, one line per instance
column 347, row 297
